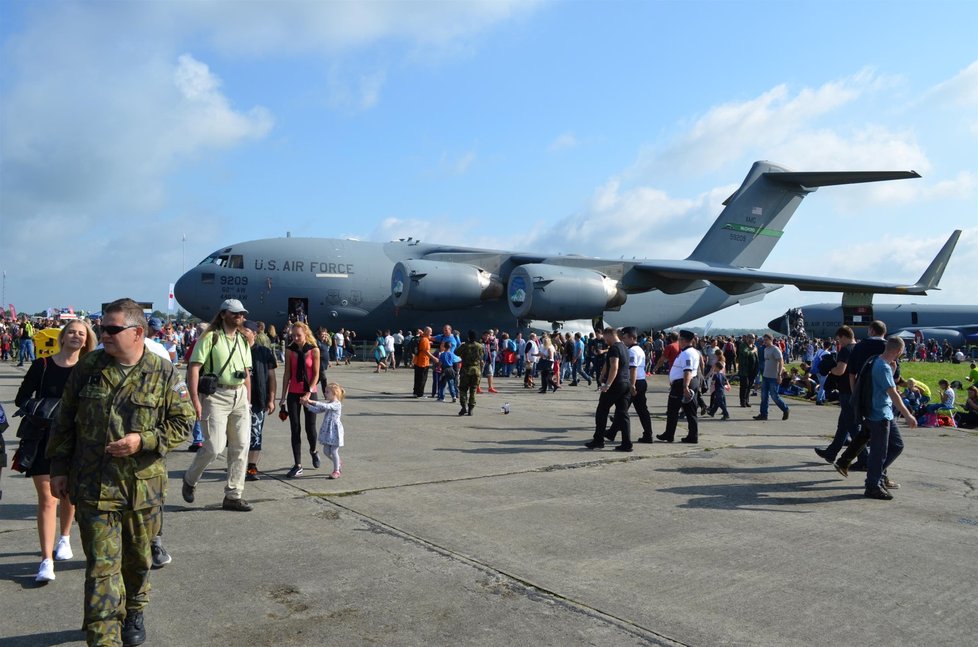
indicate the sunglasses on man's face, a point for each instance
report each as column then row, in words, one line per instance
column 115, row 330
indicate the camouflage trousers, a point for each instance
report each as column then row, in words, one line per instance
column 117, row 564
column 468, row 383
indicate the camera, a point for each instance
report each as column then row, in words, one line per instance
column 240, row 375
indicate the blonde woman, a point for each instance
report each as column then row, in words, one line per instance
column 46, row 378
column 302, row 360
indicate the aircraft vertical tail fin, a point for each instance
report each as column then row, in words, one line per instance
column 754, row 217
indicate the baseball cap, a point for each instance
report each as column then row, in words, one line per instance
column 251, row 325
column 155, row 323
column 687, row 334
column 233, row 305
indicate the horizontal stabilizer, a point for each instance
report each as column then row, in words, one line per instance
column 833, row 178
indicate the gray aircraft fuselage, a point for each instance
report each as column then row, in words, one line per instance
column 347, row 284
column 823, row 319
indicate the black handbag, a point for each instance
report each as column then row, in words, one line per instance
column 207, row 383
column 38, row 415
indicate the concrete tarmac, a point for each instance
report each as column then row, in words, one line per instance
column 504, row 530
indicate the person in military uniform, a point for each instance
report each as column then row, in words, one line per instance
column 471, row 353
column 122, row 410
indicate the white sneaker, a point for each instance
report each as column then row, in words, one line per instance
column 62, row 550
column 46, row 571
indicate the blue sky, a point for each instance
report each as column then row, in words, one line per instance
column 600, row 128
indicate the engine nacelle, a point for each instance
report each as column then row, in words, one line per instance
column 438, row 285
column 558, row 293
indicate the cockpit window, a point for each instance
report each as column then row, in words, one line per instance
column 230, row 261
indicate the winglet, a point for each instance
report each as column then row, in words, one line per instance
column 932, row 275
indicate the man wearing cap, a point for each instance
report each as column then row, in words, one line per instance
column 683, row 386
column 225, row 414
column 263, row 389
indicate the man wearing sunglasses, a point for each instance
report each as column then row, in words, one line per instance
column 225, row 414
column 122, row 410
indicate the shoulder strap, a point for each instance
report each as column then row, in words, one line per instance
column 230, row 355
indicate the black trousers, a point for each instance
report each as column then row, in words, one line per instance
column 420, row 379
column 675, row 405
column 641, row 406
column 298, row 414
column 746, row 382
column 619, row 395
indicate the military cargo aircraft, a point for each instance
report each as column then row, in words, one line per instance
column 406, row 284
column 957, row 324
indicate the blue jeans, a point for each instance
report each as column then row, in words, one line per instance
column 820, row 392
column 885, row 445
column 578, row 369
column 26, row 350
column 452, row 388
column 769, row 389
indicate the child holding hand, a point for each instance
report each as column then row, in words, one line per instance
column 331, row 431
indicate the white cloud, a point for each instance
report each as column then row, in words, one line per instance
column 961, row 90
column 728, row 131
column 563, row 142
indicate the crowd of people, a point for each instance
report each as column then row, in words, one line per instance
column 84, row 408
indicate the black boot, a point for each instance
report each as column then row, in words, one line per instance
column 133, row 630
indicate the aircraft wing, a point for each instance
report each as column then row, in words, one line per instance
column 674, row 277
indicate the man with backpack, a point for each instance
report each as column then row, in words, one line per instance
column 874, row 397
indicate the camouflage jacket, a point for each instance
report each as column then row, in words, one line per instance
column 100, row 406
column 471, row 353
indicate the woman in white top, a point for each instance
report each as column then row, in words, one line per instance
column 545, row 364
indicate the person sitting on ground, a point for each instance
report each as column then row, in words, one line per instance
column 973, row 374
column 969, row 417
column 947, row 399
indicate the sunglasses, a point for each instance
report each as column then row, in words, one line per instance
column 115, row 330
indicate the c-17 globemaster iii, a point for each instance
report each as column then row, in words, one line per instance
column 407, row 284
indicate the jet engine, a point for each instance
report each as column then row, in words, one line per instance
column 558, row 293
column 438, row 285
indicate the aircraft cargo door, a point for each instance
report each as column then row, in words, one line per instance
column 298, row 309
column 857, row 312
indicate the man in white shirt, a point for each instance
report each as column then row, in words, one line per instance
column 639, row 384
column 389, row 347
column 684, row 383
column 531, row 353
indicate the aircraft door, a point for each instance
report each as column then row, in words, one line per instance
column 857, row 312
column 298, row 309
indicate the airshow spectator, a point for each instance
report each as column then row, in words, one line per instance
column 885, row 442
column 225, row 413
column 747, row 364
column 846, row 426
column 969, row 417
column 302, row 361
column 422, row 361
column 717, row 380
column 773, row 364
column 616, row 390
column 46, row 379
column 263, row 388
column 684, row 386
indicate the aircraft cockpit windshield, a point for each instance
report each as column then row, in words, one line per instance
column 225, row 259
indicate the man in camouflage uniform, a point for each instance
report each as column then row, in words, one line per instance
column 471, row 353
column 122, row 410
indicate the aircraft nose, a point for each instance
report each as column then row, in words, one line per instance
column 777, row 325
column 183, row 292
